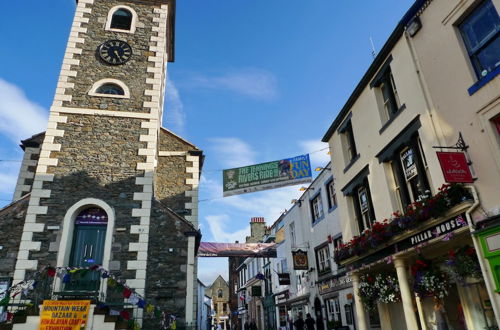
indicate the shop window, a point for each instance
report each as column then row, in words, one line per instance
column 409, row 169
column 363, row 207
column 332, row 196
column 323, row 260
column 316, row 208
column 480, row 32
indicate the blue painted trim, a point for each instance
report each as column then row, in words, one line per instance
column 483, row 81
column 330, row 179
column 318, row 220
column 316, row 195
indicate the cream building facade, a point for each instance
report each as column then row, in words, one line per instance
column 434, row 81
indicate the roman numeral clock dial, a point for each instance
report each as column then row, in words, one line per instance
column 115, row 52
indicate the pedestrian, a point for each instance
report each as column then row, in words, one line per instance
column 299, row 323
column 253, row 325
column 246, row 326
column 309, row 322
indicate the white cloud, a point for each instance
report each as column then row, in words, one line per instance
column 174, row 114
column 219, row 224
column 210, row 268
column 232, row 152
column 314, row 148
column 254, row 83
column 20, row 118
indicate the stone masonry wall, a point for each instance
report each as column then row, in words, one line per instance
column 98, row 159
column 133, row 73
column 171, row 174
column 166, row 275
column 11, row 227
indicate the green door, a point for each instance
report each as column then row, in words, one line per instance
column 87, row 250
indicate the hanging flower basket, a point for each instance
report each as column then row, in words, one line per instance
column 382, row 287
column 463, row 265
column 429, row 281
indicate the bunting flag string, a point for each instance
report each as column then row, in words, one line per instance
column 66, row 274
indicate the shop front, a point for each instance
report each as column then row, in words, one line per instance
column 337, row 296
column 292, row 307
column 269, row 313
column 426, row 276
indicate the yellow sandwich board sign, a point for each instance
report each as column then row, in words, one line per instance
column 64, row 314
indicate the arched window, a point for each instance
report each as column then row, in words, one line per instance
column 110, row 89
column 121, row 20
column 219, row 293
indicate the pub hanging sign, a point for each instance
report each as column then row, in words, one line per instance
column 455, row 167
column 300, row 261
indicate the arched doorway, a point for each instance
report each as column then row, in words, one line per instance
column 319, row 314
column 87, row 247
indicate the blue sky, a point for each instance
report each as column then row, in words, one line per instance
column 253, row 81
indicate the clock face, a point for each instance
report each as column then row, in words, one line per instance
column 115, row 52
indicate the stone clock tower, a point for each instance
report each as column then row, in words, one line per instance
column 105, row 156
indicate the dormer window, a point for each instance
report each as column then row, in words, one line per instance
column 110, row 88
column 121, row 19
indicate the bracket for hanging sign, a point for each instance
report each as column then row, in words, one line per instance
column 460, row 145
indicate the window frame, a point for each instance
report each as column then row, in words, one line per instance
column 133, row 23
column 317, row 213
column 102, row 82
column 473, row 52
column 331, row 195
column 370, row 212
column 496, row 123
column 323, row 259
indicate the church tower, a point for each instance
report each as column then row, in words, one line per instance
column 100, row 193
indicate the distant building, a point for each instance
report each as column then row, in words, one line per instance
column 203, row 317
column 219, row 293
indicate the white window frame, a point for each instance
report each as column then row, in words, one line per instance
column 323, row 255
column 97, row 84
column 133, row 24
column 317, row 208
column 332, row 195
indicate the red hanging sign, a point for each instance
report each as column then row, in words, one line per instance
column 455, row 167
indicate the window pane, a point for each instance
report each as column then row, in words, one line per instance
column 480, row 26
column 489, row 57
column 122, row 19
column 111, row 89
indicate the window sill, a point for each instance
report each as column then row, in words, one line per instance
column 394, row 116
column 318, row 220
column 483, row 81
column 353, row 160
column 332, row 208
